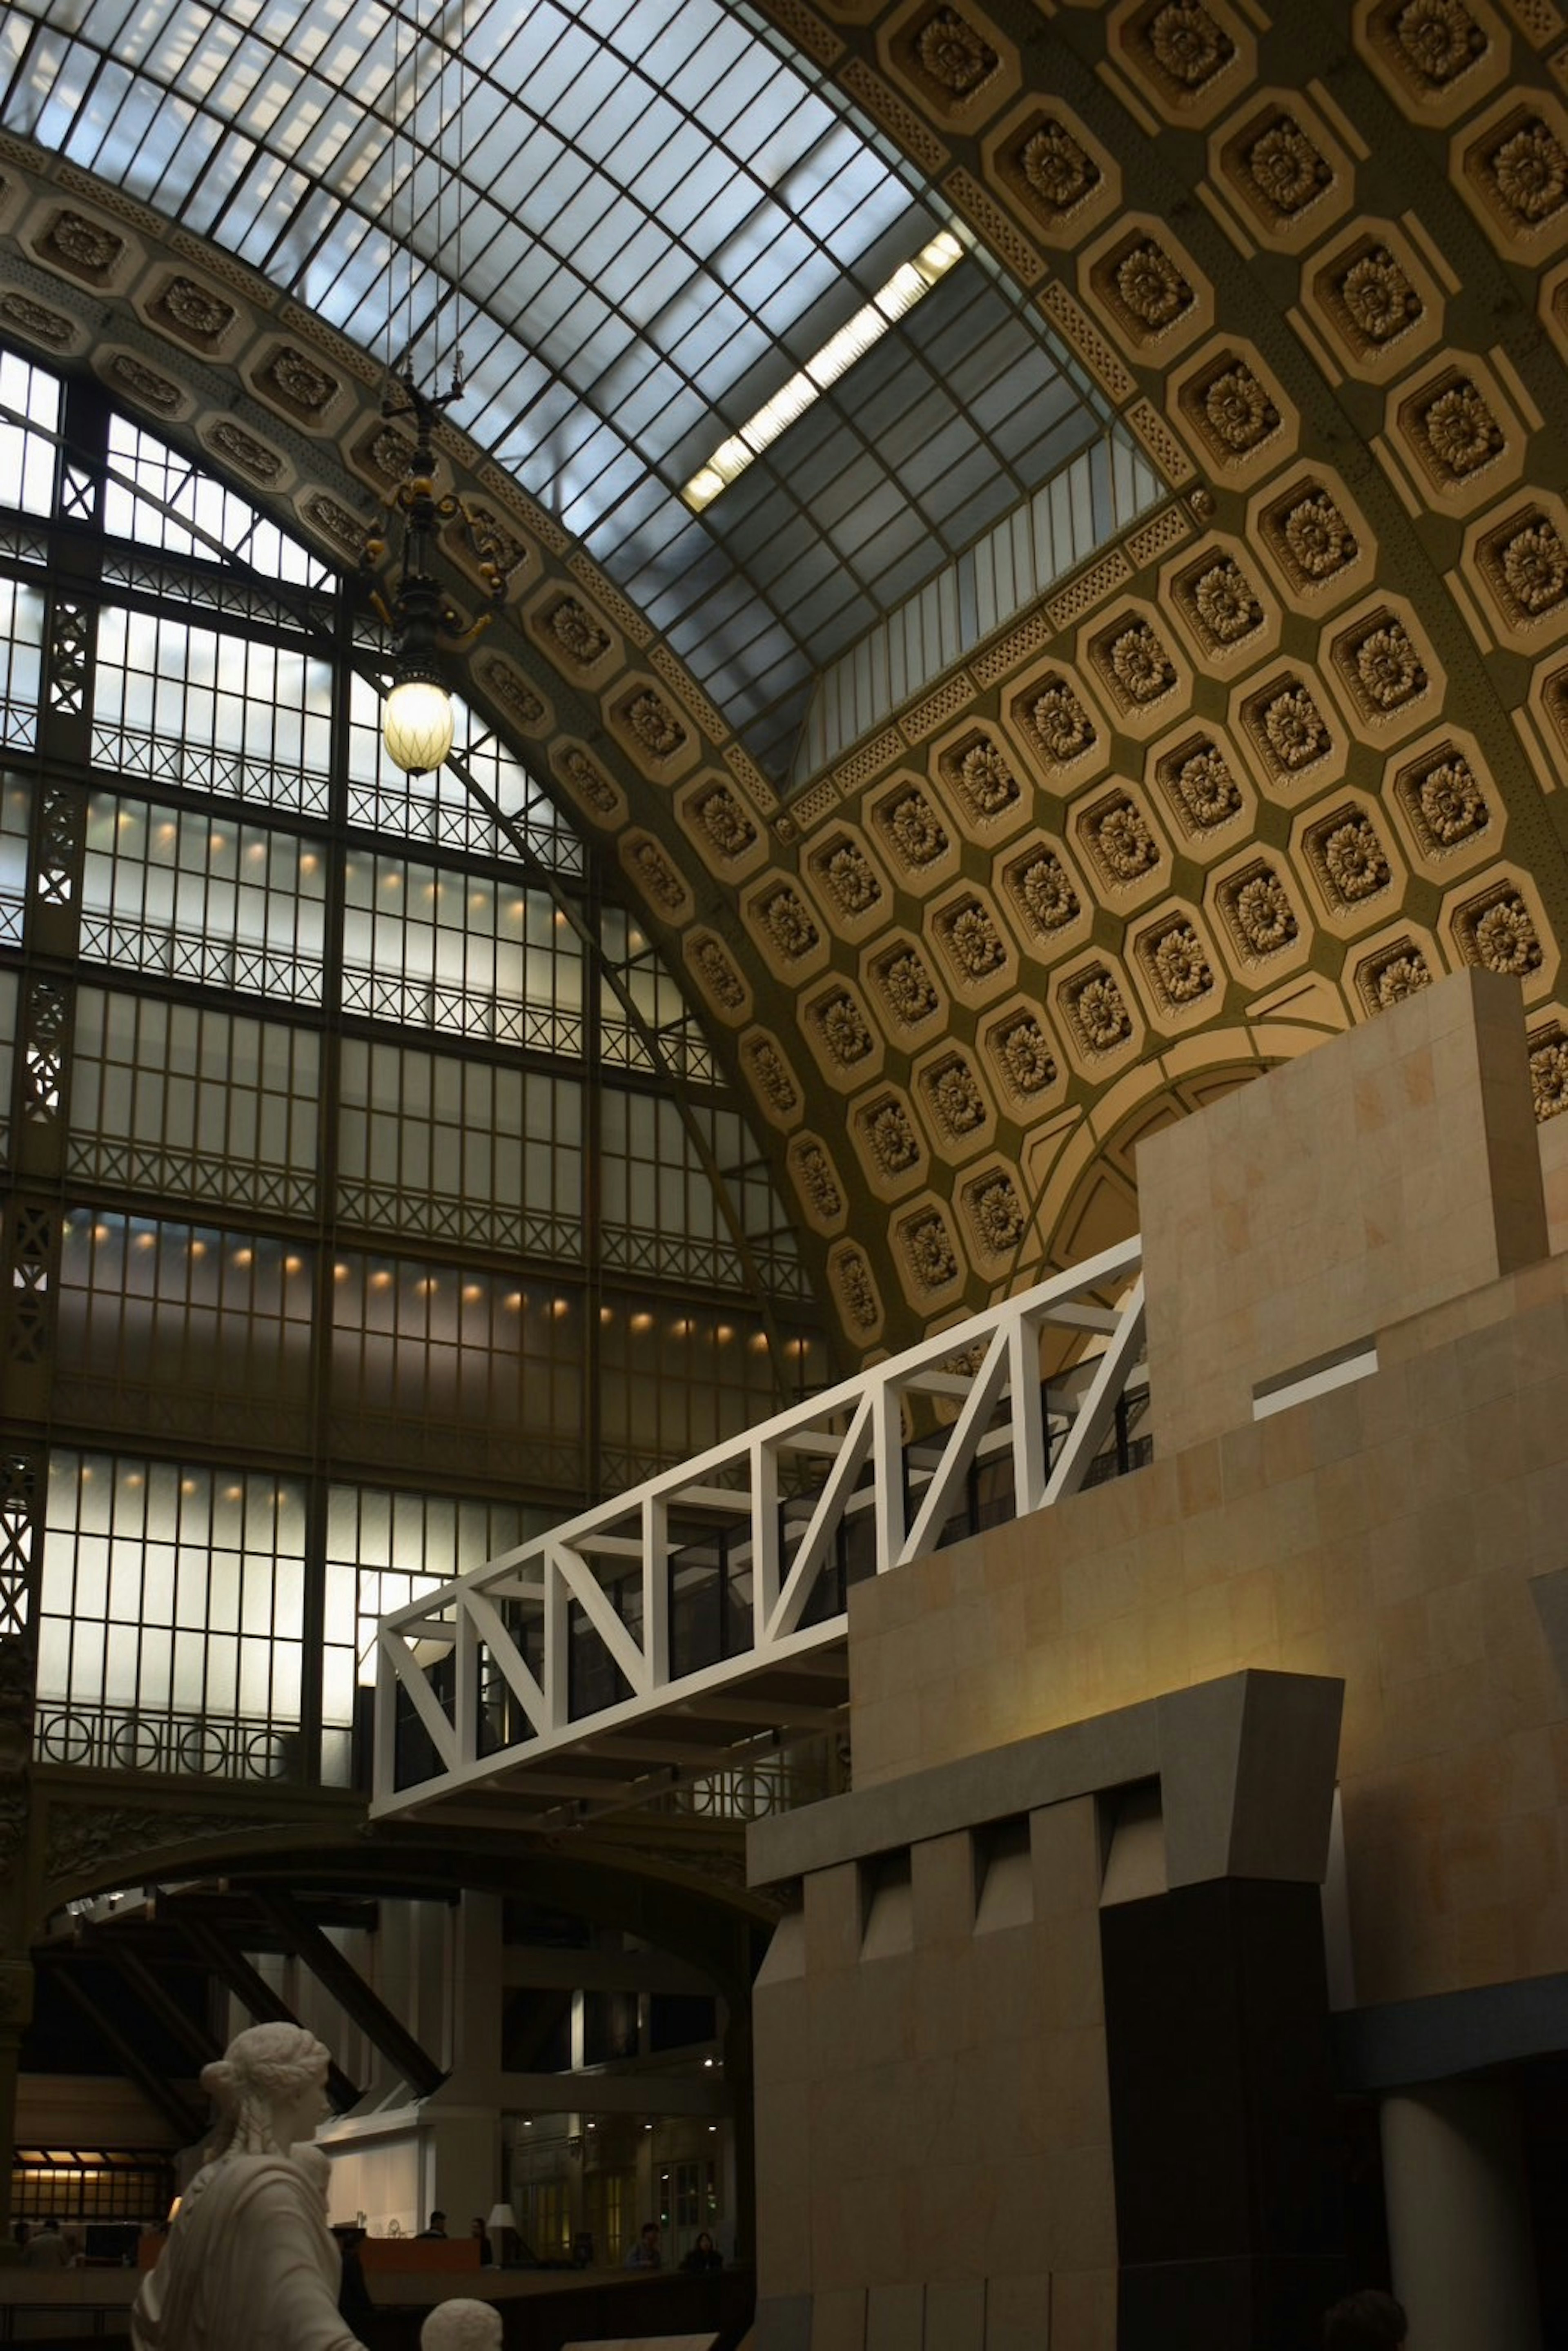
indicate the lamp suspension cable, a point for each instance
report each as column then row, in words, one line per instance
column 417, row 722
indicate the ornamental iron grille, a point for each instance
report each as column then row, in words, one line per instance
column 71, row 657
column 45, row 1049
column 21, row 1485
column 33, row 1254
column 62, row 810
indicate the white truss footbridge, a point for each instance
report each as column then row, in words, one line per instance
column 662, row 1637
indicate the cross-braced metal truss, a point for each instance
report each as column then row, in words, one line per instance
column 665, row 1632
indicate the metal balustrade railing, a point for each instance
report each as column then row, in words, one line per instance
column 166, row 1738
column 739, row 1562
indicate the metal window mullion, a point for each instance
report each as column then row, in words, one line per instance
column 591, row 1194
column 329, row 1073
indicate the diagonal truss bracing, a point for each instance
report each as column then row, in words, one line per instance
column 710, row 1604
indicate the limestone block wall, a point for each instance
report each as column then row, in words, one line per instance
column 940, row 2162
column 1292, row 1218
column 1402, row 1533
column 935, row 2164
column 927, row 2098
column 1406, row 1533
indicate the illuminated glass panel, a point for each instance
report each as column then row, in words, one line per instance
column 440, row 949
column 15, row 825
column 184, row 1099
column 179, row 704
column 172, row 1616
column 422, row 1352
column 153, row 494
column 659, row 1211
column 199, row 1325
column 204, row 898
column 184, row 1326
column 662, row 1365
column 460, row 1150
column 74, row 2186
column 657, row 1000
column 384, row 1550
column 28, row 459
column 21, row 663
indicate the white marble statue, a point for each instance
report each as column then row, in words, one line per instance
column 462, row 2327
column 250, row 2263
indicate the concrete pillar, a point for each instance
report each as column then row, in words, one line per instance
column 1458, row 2217
column 478, row 1997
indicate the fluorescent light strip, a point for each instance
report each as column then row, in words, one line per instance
column 908, row 284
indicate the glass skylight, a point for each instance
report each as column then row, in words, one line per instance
column 822, row 370
column 645, row 224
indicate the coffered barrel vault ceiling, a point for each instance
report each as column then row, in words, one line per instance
column 1289, row 748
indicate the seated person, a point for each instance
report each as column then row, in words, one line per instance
column 436, row 2227
column 703, row 2255
column 645, row 2254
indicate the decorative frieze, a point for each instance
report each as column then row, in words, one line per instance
column 1137, row 669
column 953, row 1095
column 928, row 1251
column 912, row 829
column 1176, row 965
column 1370, row 297
column 906, row 988
column 1041, row 889
column 843, row 1027
column 1549, row 1072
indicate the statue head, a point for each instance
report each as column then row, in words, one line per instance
column 462, row 2327
column 269, row 2088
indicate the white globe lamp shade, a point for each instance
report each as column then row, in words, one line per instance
column 416, row 725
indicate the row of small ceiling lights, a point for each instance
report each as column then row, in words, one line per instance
column 640, row 1320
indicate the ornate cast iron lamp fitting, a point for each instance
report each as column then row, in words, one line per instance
column 416, row 723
